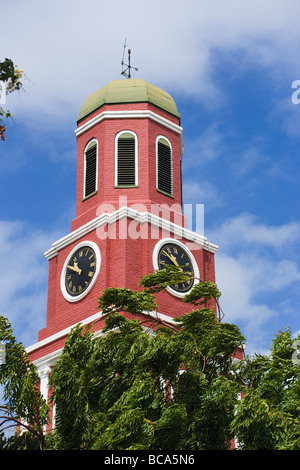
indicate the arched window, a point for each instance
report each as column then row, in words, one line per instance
column 126, row 159
column 164, row 171
column 90, row 168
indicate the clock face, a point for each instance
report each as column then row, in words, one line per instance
column 79, row 272
column 172, row 253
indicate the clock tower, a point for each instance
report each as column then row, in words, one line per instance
column 129, row 219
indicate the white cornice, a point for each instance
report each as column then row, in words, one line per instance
column 62, row 333
column 125, row 115
column 51, row 358
column 142, row 217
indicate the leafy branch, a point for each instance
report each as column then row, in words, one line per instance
column 23, row 404
column 12, row 77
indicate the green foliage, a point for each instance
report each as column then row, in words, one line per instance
column 209, row 345
column 163, row 278
column 202, row 293
column 130, row 387
column 123, row 299
column 23, row 441
column 144, row 386
column 23, row 404
column 70, row 393
column 268, row 416
column 11, row 75
column 170, row 429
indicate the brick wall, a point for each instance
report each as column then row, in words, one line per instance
column 146, row 193
column 123, row 261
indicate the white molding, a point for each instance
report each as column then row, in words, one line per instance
column 142, row 217
column 135, row 155
column 44, row 381
column 156, row 250
column 50, row 359
column 84, row 175
column 125, row 115
column 156, row 150
column 60, row 334
column 64, row 291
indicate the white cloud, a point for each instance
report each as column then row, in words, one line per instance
column 286, row 115
column 69, row 48
column 239, row 304
column 244, row 230
column 207, row 147
column 250, row 157
column 198, row 155
column 202, row 193
column 254, row 265
column 23, row 277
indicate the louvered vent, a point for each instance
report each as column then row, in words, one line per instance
column 164, row 167
column 90, row 169
column 126, row 160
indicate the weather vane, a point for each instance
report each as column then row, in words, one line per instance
column 127, row 72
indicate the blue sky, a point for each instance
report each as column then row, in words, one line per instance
column 229, row 65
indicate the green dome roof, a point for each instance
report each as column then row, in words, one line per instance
column 123, row 91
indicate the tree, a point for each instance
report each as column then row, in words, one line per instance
column 129, row 389
column 134, row 386
column 268, row 416
column 131, row 386
column 11, row 76
column 24, row 407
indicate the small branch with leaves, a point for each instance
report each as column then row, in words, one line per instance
column 11, row 79
column 200, row 295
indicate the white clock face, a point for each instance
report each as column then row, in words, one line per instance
column 80, row 271
column 169, row 251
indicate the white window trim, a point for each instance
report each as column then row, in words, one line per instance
column 136, row 155
column 156, row 149
column 96, row 185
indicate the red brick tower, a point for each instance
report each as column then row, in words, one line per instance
column 129, row 218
